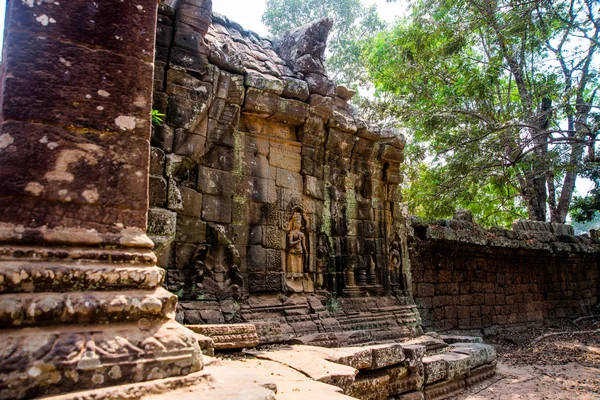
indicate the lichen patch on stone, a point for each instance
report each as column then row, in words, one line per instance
column 91, row 195
column 125, row 122
column 34, row 188
column 45, row 20
column 5, row 141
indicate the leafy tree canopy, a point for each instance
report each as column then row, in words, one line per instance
column 500, row 98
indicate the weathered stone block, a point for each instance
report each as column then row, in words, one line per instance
column 257, row 258
column 435, row 368
column 260, row 103
column 274, row 237
column 266, row 83
column 342, row 121
column 216, row 209
column 255, row 164
column 191, row 61
column 321, row 106
column 237, row 92
column 190, row 230
column 286, row 157
column 157, row 191
column 319, row 84
column 162, row 137
column 288, row 179
column 290, row 112
column 157, row 161
column 295, row 89
column 257, row 189
column 216, row 182
column 390, row 154
column 340, row 141
column 192, row 202
column 183, row 255
column 190, row 40
column 174, row 197
column 313, row 187
column 161, row 222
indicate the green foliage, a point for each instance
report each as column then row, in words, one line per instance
column 353, row 25
column 498, row 100
column 587, row 209
column 157, row 117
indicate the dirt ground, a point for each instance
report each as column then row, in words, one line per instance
column 556, row 362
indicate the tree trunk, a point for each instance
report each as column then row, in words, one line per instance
column 535, row 197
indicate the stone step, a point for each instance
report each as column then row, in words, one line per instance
column 226, row 337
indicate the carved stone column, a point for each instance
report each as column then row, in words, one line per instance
column 81, row 304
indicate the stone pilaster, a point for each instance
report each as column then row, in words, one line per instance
column 81, row 302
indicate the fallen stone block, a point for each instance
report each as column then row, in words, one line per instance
column 369, row 383
column 451, row 339
column 385, row 355
column 310, row 363
column 479, row 353
column 435, row 368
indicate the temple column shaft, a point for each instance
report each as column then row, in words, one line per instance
column 81, row 302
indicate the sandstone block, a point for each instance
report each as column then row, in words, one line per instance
column 266, row 83
column 434, row 368
column 260, row 103
column 321, row 106
column 192, row 202
column 157, row 191
column 216, row 182
column 161, row 222
column 291, row 112
column 295, row 89
column 216, row 209
column 319, row 84
column 190, row 229
column 342, row 121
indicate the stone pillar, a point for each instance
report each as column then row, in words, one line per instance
column 81, row 302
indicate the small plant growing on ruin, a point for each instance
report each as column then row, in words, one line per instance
column 333, row 305
column 157, row 117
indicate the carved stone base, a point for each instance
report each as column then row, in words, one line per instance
column 38, row 361
column 136, row 391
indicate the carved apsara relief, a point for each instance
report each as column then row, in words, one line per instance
column 216, row 264
column 297, row 268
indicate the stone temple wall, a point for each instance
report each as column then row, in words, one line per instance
column 468, row 278
column 268, row 197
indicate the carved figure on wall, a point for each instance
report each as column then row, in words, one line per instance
column 395, row 264
column 217, row 264
column 297, row 271
column 322, row 260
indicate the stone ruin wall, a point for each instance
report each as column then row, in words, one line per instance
column 468, row 278
column 259, row 148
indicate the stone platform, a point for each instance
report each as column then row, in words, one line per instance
column 422, row 368
column 310, row 319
